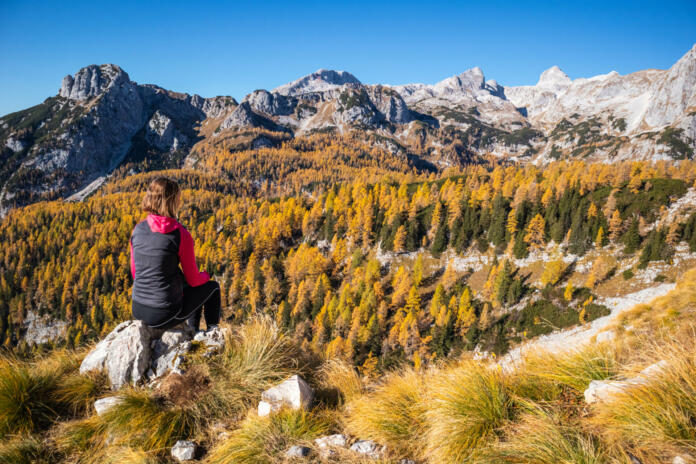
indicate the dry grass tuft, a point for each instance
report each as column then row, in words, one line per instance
column 393, row 414
column 264, row 440
column 187, row 388
column 468, row 404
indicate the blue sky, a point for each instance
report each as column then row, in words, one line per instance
column 232, row 48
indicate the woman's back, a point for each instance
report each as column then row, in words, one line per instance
column 156, row 243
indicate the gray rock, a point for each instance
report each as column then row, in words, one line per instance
column 184, row 450
column 161, row 133
column 15, row 144
column 104, row 404
column 124, row 354
column 366, row 447
column 213, row 340
column 297, row 451
column 407, row 461
column 293, row 393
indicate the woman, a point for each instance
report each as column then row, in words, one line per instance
column 164, row 295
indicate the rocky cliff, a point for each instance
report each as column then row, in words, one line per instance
column 100, row 119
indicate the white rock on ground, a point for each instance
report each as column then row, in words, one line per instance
column 297, row 451
column 601, row 390
column 104, row 404
column 293, row 393
column 367, row 448
column 124, row 354
column 337, row 440
column 184, row 450
column 214, row 340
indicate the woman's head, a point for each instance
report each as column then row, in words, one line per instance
column 162, row 197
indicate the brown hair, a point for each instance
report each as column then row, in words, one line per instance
column 162, row 197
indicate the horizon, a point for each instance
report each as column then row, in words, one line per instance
column 234, row 50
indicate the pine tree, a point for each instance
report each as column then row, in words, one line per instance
column 485, row 319
column 631, row 238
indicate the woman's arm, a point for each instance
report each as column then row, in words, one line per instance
column 187, row 258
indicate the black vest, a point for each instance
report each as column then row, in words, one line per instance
column 159, row 282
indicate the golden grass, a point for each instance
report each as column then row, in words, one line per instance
column 656, row 418
column 264, row 440
column 24, row 450
column 392, row 414
column 545, row 375
column 339, row 377
column 148, row 422
column 467, row 406
column 545, row 435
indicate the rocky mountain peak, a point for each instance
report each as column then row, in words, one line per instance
column 471, row 79
column 319, row 81
column 554, row 78
column 92, row 81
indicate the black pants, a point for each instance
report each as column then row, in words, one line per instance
column 202, row 300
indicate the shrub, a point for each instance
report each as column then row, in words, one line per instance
column 628, row 274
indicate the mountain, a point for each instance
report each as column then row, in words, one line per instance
column 101, row 120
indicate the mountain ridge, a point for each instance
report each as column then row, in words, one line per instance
column 101, row 119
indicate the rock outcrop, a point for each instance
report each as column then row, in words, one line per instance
column 293, row 393
column 124, row 354
column 133, row 351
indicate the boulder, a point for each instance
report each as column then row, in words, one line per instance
column 367, row 448
column 293, row 393
column 184, row 450
column 104, row 404
column 297, row 451
column 124, row 354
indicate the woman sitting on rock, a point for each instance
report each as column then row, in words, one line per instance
column 164, row 294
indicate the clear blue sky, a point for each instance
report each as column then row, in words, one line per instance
column 228, row 48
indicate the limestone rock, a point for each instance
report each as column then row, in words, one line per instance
column 169, row 349
column 293, row 393
column 213, row 340
column 124, row 354
column 367, row 448
column 602, row 390
column 337, row 440
column 184, row 450
column 297, row 451
column 104, row 404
